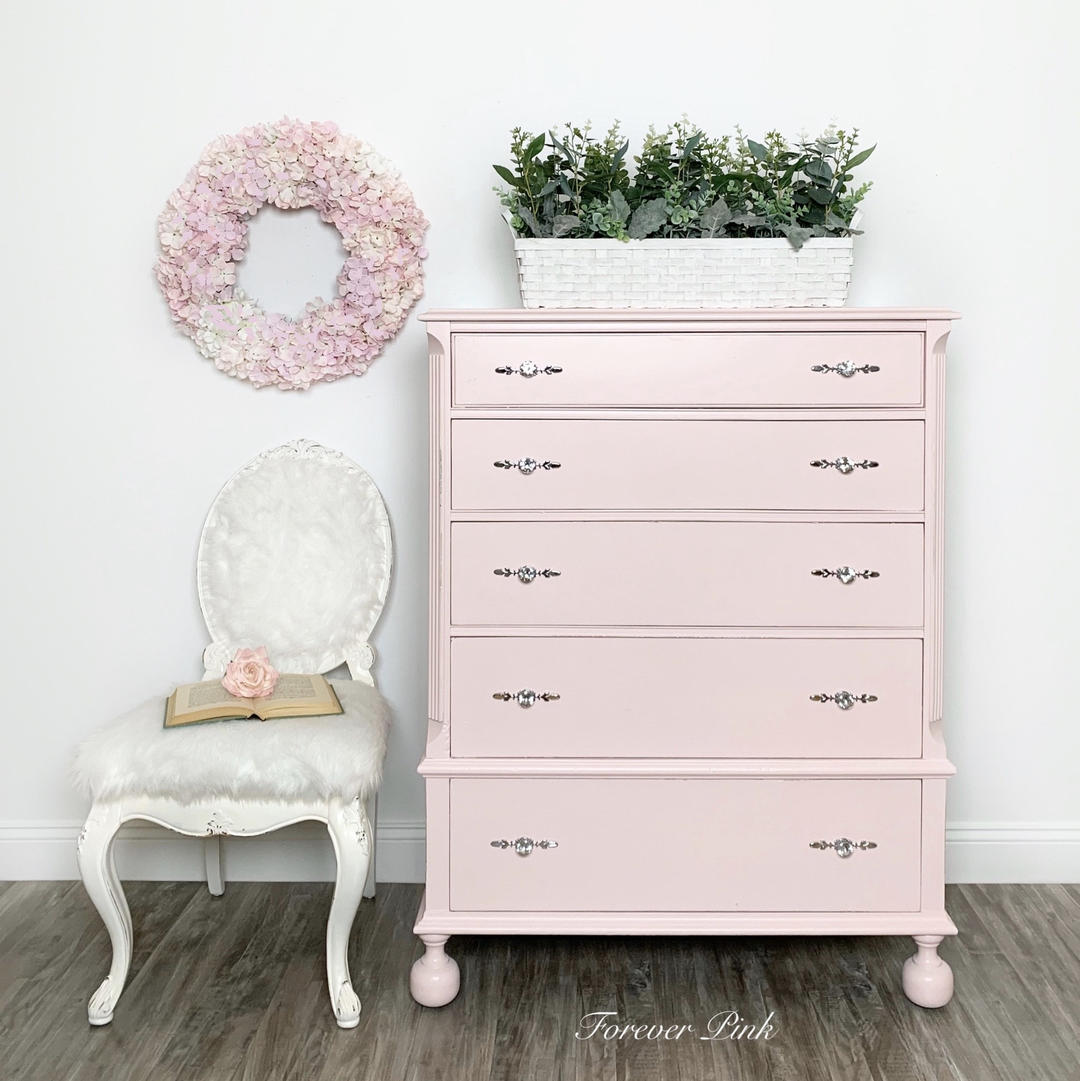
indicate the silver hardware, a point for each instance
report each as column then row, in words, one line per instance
column 525, row 574
column 843, row 699
column 846, row 574
column 523, row 846
column 529, row 465
column 842, row 464
column 845, row 847
column 526, row 698
column 528, row 369
column 845, row 368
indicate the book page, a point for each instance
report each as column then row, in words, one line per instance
column 297, row 690
column 195, row 696
column 311, row 694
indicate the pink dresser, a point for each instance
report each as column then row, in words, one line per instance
column 685, row 634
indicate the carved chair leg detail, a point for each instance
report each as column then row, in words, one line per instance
column 928, row 980
column 102, row 883
column 434, row 978
column 350, row 833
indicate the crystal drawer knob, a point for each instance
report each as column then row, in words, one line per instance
column 843, row 464
column 526, row 465
column 526, row 698
column 844, row 847
column 844, row 574
column 524, row 846
column 527, row 370
column 844, row 699
column 526, row 574
column 846, row 368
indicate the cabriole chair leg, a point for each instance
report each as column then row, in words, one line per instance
column 98, row 871
column 350, row 833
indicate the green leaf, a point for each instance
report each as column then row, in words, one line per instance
column 529, row 219
column 820, row 195
column 759, row 152
column 506, row 175
column 648, row 218
column 860, row 157
column 752, row 179
column 663, row 171
column 796, row 234
column 748, row 221
column 692, row 144
column 819, row 170
column 620, row 208
column 565, row 223
column 714, row 218
column 535, row 147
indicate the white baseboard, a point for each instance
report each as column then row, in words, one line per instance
column 1012, row 852
column 975, row 852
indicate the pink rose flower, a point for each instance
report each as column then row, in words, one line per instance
column 250, row 674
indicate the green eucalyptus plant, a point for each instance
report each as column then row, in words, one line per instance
column 685, row 184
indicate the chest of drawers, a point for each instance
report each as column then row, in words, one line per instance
column 685, row 629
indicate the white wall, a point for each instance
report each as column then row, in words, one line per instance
column 116, row 434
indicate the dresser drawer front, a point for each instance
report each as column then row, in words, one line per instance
column 686, row 845
column 697, row 369
column 685, row 698
column 723, row 574
column 687, row 464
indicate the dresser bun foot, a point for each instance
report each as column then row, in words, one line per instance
column 434, row 979
column 928, row 980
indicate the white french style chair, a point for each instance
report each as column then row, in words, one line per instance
column 295, row 555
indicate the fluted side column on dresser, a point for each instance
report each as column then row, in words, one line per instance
column 686, row 570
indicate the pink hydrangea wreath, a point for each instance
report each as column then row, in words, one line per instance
column 203, row 233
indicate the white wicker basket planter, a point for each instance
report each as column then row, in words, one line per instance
column 724, row 273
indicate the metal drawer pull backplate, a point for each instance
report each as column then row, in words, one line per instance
column 529, row 465
column 526, row 698
column 843, row 699
column 844, row 846
column 843, row 464
column 524, row 846
column 526, row 574
column 845, row 574
column 528, row 369
column 846, row 368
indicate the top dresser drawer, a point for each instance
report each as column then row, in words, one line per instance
column 693, row 370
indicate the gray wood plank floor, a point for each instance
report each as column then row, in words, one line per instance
column 233, row 989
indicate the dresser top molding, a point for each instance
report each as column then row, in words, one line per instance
column 513, row 316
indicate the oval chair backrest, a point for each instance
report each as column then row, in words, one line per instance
column 295, row 555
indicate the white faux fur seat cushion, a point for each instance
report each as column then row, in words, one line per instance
column 293, row 758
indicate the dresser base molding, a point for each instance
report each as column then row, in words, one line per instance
column 448, row 922
column 927, row 979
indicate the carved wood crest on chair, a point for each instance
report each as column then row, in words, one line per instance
column 296, row 555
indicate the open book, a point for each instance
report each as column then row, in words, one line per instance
column 294, row 696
